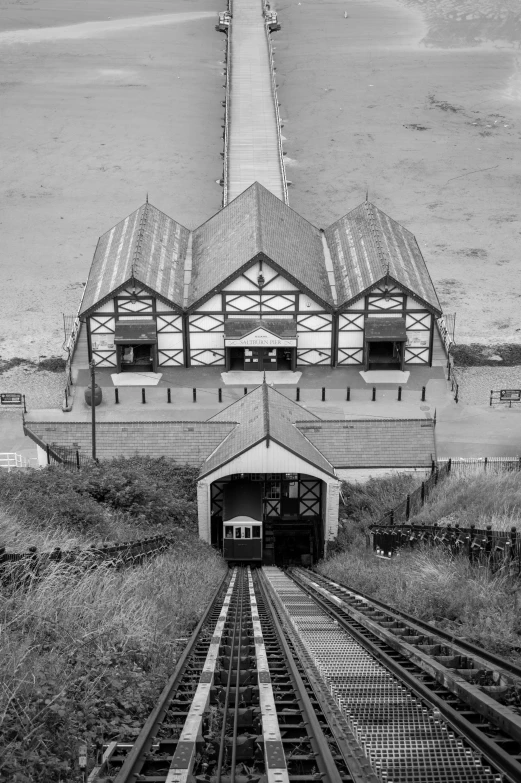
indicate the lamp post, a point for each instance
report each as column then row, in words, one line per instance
column 93, row 407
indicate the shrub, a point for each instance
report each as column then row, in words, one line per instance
column 364, row 504
column 119, row 498
column 52, row 364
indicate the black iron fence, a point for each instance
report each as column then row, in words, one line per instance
column 22, row 568
column 494, row 548
column 414, row 502
column 69, row 458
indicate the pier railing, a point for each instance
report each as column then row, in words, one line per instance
column 276, row 106
column 226, row 134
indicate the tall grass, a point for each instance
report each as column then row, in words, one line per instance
column 84, row 655
column 447, row 591
column 478, row 499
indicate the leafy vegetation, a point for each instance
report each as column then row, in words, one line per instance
column 84, row 656
column 478, row 355
column 363, row 504
column 119, row 499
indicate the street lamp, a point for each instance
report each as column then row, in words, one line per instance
column 93, row 407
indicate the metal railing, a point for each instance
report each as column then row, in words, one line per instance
column 414, row 501
column 494, row 548
column 22, row 568
column 276, row 106
column 9, row 460
column 227, row 106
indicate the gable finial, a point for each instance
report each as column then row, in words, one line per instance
column 147, row 198
column 366, row 195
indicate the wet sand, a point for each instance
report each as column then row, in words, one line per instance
column 101, row 102
column 423, row 111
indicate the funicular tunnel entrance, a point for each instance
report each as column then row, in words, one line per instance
column 273, row 518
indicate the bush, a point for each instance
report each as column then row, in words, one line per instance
column 52, row 364
column 121, row 498
column 478, row 355
column 364, row 504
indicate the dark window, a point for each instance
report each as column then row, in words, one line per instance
column 247, row 532
column 256, row 531
column 237, row 532
column 228, row 532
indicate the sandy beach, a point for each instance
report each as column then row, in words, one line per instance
column 416, row 102
column 420, row 106
column 102, row 102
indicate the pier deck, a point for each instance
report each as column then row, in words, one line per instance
column 253, row 141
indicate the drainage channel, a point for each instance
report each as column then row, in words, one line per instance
column 401, row 729
column 235, row 711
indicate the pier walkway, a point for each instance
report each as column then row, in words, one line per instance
column 253, row 148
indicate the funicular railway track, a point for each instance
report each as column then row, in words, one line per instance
column 283, row 680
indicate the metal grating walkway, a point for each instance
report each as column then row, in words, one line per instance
column 404, row 740
column 253, row 136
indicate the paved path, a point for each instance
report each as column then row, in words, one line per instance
column 253, row 146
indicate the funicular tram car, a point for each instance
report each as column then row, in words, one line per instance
column 242, row 522
column 242, row 540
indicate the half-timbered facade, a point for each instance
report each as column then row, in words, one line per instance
column 258, row 287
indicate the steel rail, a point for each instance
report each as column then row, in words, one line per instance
column 431, row 630
column 129, row 772
column 354, row 760
column 501, row 760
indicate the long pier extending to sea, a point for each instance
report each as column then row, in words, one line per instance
column 253, row 146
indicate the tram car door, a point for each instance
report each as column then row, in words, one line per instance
column 242, row 522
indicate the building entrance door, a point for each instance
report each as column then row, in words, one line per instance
column 260, row 359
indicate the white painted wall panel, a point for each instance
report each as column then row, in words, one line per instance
column 351, row 339
column 306, row 303
column 107, row 307
column 206, row 340
column 102, row 325
column 242, row 283
column 314, row 340
column 214, row 303
column 167, row 340
column 274, row 459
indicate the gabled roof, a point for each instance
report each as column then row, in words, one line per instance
column 148, row 247
column 373, row 443
column 257, row 223
column 284, row 328
column 264, row 413
column 366, row 244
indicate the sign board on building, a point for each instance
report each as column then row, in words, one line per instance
column 513, row 395
column 11, row 398
column 260, row 337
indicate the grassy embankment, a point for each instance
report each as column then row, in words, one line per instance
column 469, row 600
column 83, row 656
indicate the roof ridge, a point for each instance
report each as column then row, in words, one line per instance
column 372, row 226
column 266, row 410
column 259, row 217
column 140, row 235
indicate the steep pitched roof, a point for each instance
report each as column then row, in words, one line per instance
column 261, row 414
column 373, row 443
column 365, row 243
column 149, row 246
column 253, row 223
